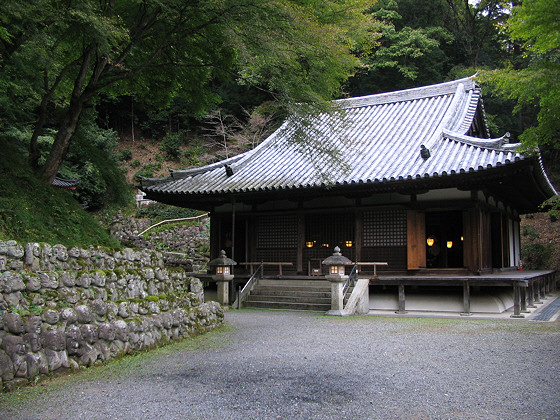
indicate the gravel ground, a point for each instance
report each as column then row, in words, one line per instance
column 284, row 365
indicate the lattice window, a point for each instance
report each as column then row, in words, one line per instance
column 385, row 228
column 329, row 230
column 276, row 232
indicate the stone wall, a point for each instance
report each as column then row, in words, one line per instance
column 191, row 243
column 69, row 308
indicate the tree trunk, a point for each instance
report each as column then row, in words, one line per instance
column 34, row 152
column 80, row 97
column 61, row 143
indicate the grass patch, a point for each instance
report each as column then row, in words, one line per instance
column 461, row 326
column 31, row 211
column 115, row 369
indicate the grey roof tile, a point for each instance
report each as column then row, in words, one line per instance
column 379, row 140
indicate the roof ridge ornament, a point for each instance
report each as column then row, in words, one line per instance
column 500, row 143
column 424, row 152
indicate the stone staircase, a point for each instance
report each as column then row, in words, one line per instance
column 292, row 294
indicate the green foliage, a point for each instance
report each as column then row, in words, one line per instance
column 536, row 22
column 534, row 81
column 195, row 150
column 534, row 253
column 148, row 171
column 124, row 155
column 530, row 232
column 171, row 145
column 536, row 256
column 407, row 50
column 158, row 212
column 31, row 211
column 552, row 206
column 57, row 61
column 92, row 160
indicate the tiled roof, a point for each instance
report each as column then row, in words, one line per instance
column 65, row 183
column 379, row 139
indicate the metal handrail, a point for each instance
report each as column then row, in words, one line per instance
column 350, row 281
column 182, row 219
column 253, row 280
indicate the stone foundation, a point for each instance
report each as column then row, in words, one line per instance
column 67, row 308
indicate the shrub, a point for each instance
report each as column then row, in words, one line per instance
column 160, row 211
column 124, row 155
column 171, row 145
column 536, row 256
column 148, row 171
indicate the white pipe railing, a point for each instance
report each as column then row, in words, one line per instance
column 171, row 221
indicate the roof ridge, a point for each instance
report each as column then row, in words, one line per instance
column 500, row 143
column 440, row 89
column 184, row 173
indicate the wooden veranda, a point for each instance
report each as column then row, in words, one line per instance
column 529, row 287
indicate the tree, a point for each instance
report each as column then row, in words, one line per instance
column 536, row 24
column 409, row 51
column 58, row 56
column 476, row 28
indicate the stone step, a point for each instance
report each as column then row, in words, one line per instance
column 270, row 291
column 293, row 294
column 296, row 299
column 288, row 305
column 294, row 282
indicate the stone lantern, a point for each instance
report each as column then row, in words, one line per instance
column 336, row 265
column 223, row 275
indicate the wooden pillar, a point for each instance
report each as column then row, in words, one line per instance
column 359, row 229
column 531, row 294
column 301, row 241
column 416, row 239
column 402, row 299
column 466, row 299
column 215, row 235
column 537, row 289
column 472, row 243
column 516, row 302
column 523, row 294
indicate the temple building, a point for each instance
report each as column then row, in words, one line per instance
column 411, row 178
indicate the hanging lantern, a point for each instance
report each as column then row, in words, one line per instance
column 449, row 244
column 430, row 241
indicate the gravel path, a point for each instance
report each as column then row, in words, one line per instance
column 286, row 365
